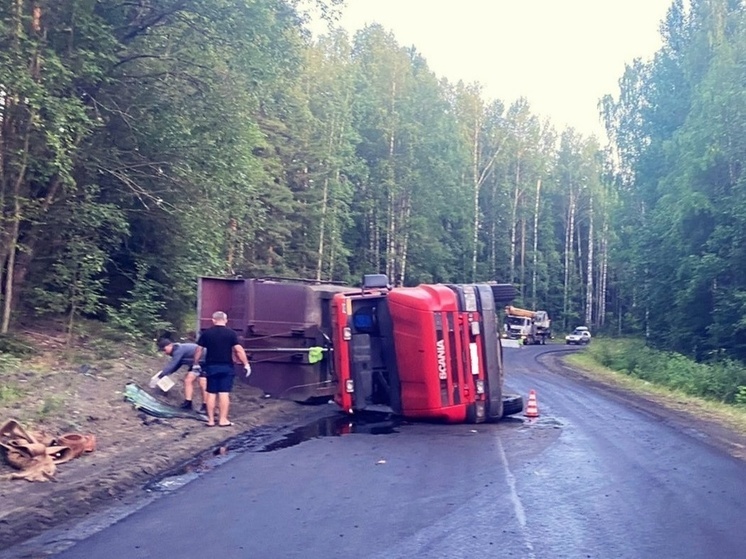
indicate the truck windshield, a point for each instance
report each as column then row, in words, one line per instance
column 517, row 321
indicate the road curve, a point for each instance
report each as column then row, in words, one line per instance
column 592, row 477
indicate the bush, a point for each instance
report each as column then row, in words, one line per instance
column 13, row 346
column 741, row 396
column 8, row 362
column 723, row 380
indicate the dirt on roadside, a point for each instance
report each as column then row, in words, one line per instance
column 59, row 391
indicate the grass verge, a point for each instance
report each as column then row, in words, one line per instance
column 665, row 378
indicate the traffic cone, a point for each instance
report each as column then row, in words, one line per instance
column 532, row 408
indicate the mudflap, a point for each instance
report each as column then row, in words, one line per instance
column 475, row 413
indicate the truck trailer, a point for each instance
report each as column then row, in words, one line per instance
column 428, row 352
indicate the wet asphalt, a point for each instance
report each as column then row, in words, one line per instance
column 592, row 477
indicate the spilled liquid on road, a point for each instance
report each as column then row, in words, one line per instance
column 263, row 440
column 335, row 426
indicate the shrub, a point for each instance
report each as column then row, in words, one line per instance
column 741, row 396
column 721, row 379
column 8, row 362
column 13, row 346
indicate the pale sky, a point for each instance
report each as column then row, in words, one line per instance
column 562, row 55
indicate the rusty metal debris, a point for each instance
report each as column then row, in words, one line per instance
column 36, row 455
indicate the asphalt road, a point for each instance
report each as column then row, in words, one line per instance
column 592, row 477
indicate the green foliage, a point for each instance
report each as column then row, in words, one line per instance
column 49, row 406
column 140, row 312
column 12, row 346
column 215, row 137
column 74, row 283
column 9, row 362
column 9, row 393
column 720, row 379
column 679, row 129
column 106, row 348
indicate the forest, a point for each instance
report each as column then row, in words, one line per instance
column 145, row 143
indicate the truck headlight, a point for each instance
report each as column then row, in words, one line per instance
column 350, row 386
column 347, row 334
column 480, row 386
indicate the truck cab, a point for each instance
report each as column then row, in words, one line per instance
column 428, row 352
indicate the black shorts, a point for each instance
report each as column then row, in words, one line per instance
column 220, row 383
column 220, row 378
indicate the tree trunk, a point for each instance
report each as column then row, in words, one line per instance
column 391, row 180
column 375, row 239
column 325, row 201
column 10, row 264
column 232, row 237
column 604, row 274
column 514, row 221
column 14, row 234
column 589, row 269
column 322, row 225
column 405, row 242
column 476, row 185
column 534, row 300
column 580, row 271
column 523, row 259
column 493, row 233
column 569, row 256
column 333, row 233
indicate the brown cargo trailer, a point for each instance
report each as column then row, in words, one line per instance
column 278, row 321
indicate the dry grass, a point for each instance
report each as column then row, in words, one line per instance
column 59, row 381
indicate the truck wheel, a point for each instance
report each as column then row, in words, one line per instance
column 512, row 404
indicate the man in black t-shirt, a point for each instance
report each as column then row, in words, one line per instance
column 223, row 349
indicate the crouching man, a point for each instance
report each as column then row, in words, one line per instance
column 182, row 355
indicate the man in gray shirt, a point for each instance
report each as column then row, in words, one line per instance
column 182, row 355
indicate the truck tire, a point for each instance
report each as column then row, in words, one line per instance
column 512, row 404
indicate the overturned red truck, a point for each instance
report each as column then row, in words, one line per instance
column 429, row 352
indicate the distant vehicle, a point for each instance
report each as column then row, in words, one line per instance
column 531, row 327
column 579, row 336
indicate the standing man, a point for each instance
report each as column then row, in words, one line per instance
column 182, row 355
column 223, row 350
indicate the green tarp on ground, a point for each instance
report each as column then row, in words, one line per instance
column 143, row 401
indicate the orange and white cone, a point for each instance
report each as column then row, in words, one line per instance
column 532, row 408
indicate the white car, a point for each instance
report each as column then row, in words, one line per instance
column 580, row 335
